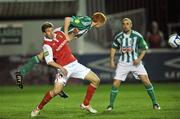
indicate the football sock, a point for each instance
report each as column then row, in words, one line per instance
column 113, row 94
column 29, row 65
column 150, row 91
column 90, row 91
column 45, row 100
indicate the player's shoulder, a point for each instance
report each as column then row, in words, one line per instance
column 84, row 20
column 57, row 29
column 87, row 18
column 137, row 34
column 118, row 35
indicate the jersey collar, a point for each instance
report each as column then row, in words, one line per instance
column 47, row 39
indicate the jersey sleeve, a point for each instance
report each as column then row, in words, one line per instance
column 48, row 53
column 115, row 44
column 142, row 44
column 80, row 21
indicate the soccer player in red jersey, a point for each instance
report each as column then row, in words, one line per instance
column 56, row 47
column 74, row 27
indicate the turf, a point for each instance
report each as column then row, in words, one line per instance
column 132, row 102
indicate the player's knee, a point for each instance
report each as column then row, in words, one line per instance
column 145, row 79
column 55, row 91
column 96, row 82
column 116, row 83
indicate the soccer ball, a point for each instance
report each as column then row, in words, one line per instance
column 174, row 40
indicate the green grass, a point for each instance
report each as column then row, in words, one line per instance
column 132, row 102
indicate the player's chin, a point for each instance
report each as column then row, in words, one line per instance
column 126, row 30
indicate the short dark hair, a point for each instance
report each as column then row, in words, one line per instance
column 46, row 25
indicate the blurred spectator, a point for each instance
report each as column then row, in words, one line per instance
column 155, row 36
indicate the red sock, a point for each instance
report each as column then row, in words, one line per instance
column 90, row 91
column 45, row 100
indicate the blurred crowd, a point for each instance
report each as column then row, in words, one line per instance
column 155, row 37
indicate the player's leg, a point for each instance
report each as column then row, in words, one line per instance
column 58, row 87
column 27, row 67
column 143, row 76
column 94, row 83
column 120, row 75
column 60, row 82
column 150, row 90
column 80, row 71
column 113, row 94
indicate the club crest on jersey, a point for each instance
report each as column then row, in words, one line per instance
column 77, row 21
column 59, row 36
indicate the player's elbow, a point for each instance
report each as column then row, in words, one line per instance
column 49, row 62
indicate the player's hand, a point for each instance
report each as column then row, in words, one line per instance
column 67, row 37
column 63, row 71
column 136, row 62
column 112, row 65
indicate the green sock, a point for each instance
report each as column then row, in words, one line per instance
column 113, row 94
column 24, row 69
column 150, row 91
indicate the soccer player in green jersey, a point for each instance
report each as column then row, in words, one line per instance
column 74, row 27
column 132, row 48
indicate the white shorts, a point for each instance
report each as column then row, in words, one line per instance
column 75, row 70
column 123, row 69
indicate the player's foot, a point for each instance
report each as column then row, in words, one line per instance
column 63, row 94
column 35, row 112
column 156, row 106
column 88, row 108
column 19, row 79
column 109, row 108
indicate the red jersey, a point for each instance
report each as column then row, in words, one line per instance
column 58, row 49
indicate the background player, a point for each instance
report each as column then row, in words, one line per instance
column 132, row 48
column 56, row 47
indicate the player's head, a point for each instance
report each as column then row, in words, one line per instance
column 99, row 19
column 126, row 25
column 47, row 29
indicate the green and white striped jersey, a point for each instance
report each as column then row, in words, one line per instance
column 82, row 23
column 129, row 45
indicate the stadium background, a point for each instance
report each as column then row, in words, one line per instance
column 21, row 38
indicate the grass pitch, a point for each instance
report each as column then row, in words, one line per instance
column 132, row 102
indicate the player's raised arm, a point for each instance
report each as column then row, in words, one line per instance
column 66, row 27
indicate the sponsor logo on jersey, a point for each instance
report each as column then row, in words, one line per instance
column 126, row 49
column 77, row 21
column 61, row 45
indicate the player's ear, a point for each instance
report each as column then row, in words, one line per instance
column 44, row 33
column 131, row 25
